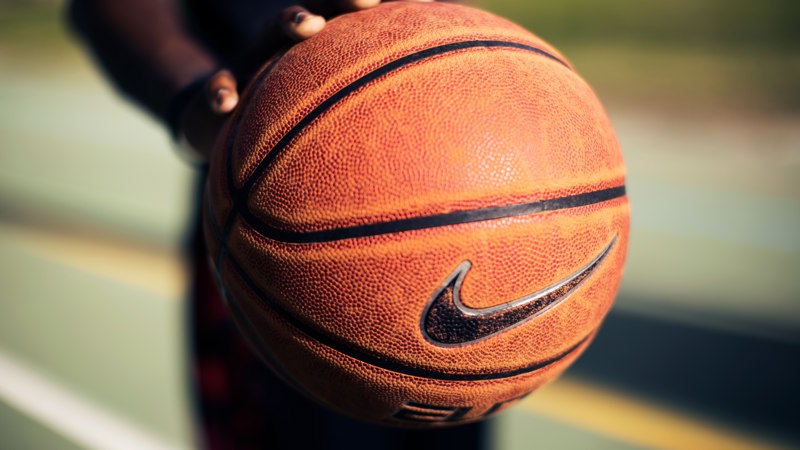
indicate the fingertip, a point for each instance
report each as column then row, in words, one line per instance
column 310, row 26
column 359, row 4
column 221, row 92
column 225, row 100
column 300, row 24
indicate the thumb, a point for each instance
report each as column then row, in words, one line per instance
column 221, row 92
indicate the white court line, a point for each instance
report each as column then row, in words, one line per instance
column 77, row 419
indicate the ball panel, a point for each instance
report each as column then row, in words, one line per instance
column 348, row 48
column 351, row 385
column 345, row 169
column 371, row 293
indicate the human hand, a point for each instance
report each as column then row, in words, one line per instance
column 203, row 113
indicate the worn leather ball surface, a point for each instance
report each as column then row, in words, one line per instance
column 418, row 216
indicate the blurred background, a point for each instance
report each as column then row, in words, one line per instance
column 700, row 352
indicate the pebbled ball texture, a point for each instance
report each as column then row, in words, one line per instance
column 418, row 216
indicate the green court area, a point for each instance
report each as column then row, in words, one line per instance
column 691, row 57
column 699, row 352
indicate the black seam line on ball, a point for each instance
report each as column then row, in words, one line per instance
column 348, row 350
column 436, row 220
column 240, row 195
column 246, row 324
column 360, row 355
column 210, row 221
column 219, row 233
column 232, row 132
column 271, row 360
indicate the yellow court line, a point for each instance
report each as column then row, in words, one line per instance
column 628, row 419
column 159, row 271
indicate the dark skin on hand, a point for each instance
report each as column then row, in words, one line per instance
column 147, row 51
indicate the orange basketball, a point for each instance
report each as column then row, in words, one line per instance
column 418, row 216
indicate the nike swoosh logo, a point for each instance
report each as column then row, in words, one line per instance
column 446, row 321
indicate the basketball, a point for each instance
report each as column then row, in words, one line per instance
column 418, row 216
